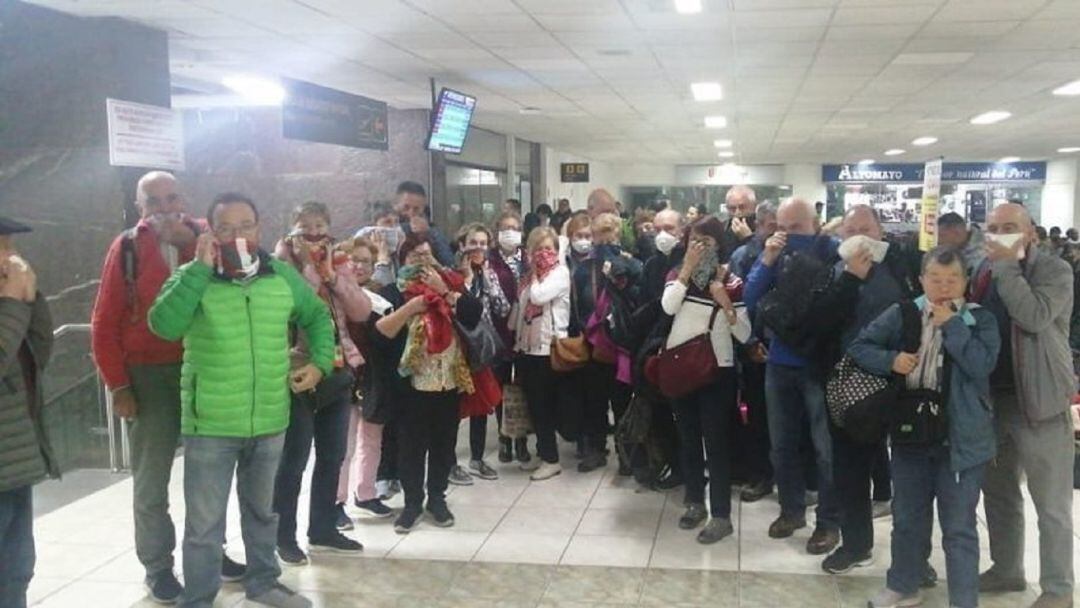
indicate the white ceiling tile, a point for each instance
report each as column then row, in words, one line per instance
column 1058, row 9
column 988, row 10
column 812, row 17
column 884, row 15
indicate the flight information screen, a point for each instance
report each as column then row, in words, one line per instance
column 450, row 122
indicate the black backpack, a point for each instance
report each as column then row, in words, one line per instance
column 785, row 309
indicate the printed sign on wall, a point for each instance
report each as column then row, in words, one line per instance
column 322, row 115
column 574, row 172
column 141, row 135
column 929, row 215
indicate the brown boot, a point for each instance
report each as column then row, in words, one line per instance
column 822, row 541
column 784, row 527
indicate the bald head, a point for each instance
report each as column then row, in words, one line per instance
column 1011, row 218
column 796, row 216
column 601, row 201
column 157, row 193
column 668, row 221
column 740, row 201
column 861, row 219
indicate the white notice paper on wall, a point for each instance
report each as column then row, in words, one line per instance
column 144, row 136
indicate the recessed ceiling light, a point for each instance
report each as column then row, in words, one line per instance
column 866, row 161
column 894, row 152
column 707, row 91
column 715, row 122
column 989, row 118
column 1009, row 159
column 255, row 89
column 614, row 52
column 923, row 141
column 687, row 7
column 529, row 111
column 726, row 154
column 1069, row 150
column 722, row 143
column 1068, row 89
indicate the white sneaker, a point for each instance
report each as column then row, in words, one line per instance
column 881, row 508
column 546, row 470
column 887, row 598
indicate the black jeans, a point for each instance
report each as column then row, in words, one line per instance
column 388, row 455
column 328, row 428
column 853, row 463
column 751, row 440
column 427, row 431
column 882, row 475
column 538, row 381
column 601, row 391
column 705, row 416
column 16, row 545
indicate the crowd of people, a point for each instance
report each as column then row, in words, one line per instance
column 747, row 349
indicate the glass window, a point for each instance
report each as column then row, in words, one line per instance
column 472, row 195
column 483, row 148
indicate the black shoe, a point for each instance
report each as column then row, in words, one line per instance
column 756, row 491
column 292, row 555
column 337, row 543
column 929, row 580
column 668, row 480
column 784, row 527
column 231, row 571
column 693, row 516
column 441, row 514
column 521, row 446
column 506, row 450
column 822, row 541
column 408, row 520
column 373, row 508
column 625, row 470
column 591, row 462
column 344, row 522
column 843, row 561
column 715, row 531
column 163, row 588
column 581, row 451
column 992, row 582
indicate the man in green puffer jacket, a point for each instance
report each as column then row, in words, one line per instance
column 234, row 306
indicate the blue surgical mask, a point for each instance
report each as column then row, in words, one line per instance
column 606, row 251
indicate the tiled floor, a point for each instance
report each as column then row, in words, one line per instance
column 573, row 541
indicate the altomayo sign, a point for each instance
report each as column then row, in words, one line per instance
column 895, row 173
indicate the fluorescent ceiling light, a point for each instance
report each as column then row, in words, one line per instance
column 923, row 141
column 722, row 143
column 255, row 89
column 1009, row 159
column 1069, row 150
column 687, row 7
column 725, row 154
column 707, row 91
column 1068, row 89
column 866, row 161
column 715, row 122
column 894, row 152
column 989, row 118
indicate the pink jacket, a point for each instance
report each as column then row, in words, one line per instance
column 348, row 302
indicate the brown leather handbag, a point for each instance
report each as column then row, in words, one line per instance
column 568, row 354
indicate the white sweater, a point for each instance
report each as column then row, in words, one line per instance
column 692, row 316
column 553, row 295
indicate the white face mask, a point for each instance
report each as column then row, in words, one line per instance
column 854, row 244
column 510, row 239
column 582, row 246
column 1007, row 240
column 665, row 242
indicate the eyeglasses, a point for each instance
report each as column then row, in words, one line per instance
column 228, row 232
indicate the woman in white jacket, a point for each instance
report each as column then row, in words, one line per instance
column 542, row 315
column 698, row 299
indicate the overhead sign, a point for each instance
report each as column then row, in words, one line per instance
column 574, row 172
column 928, row 214
column 322, row 115
column 144, row 136
column 950, row 172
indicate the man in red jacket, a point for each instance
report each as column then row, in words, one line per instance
column 143, row 371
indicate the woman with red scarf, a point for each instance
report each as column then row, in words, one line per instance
column 432, row 375
column 542, row 315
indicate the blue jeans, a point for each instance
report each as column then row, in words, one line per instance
column 328, row 428
column 919, row 476
column 16, row 545
column 209, row 463
column 796, row 398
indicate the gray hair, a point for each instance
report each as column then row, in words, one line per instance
column 145, row 180
column 944, row 255
column 765, row 208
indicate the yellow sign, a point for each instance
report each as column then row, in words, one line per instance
column 928, row 213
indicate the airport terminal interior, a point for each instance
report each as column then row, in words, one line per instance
column 171, row 170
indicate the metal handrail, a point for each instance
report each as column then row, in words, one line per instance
column 117, row 462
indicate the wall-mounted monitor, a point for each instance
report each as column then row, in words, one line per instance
column 450, row 121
